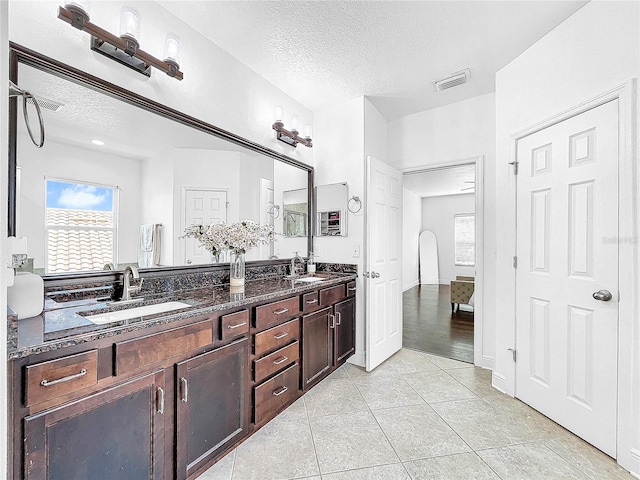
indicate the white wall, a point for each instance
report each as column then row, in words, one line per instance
column 463, row 130
column 451, row 132
column 68, row 162
column 339, row 157
column 4, row 140
column 593, row 51
column 437, row 216
column 411, row 228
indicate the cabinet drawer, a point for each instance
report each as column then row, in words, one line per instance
column 277, row 312
column 275, row 361
column 133, row 354
column 58, row 377
column 276, row 337
column 273, row 395
column 331, row 295
column 310, row 302
column 234, row 324
column 351, row 289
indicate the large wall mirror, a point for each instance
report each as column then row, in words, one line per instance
column 113, row 174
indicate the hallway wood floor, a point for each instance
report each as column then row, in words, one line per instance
column 430, row 327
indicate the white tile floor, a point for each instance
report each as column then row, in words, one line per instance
column 417, row 417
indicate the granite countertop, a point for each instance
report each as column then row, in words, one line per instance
column 64, row 324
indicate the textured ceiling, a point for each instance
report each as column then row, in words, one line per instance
column 325, row 52
column 441, row 181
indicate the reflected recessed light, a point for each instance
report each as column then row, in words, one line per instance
column 97, row 142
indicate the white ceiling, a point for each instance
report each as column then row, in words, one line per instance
column 441, row 181
column 325, row 52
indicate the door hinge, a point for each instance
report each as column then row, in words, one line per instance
column 515, row 167
column 513, row 354
column 515, row 261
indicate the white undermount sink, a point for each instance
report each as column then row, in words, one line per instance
column 118, row 315
column 308, row 279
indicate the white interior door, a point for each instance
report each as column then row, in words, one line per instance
column 202, row 207
column 567, row 217
column 383, row 262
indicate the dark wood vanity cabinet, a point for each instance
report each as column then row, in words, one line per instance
column 211, row 404
column 317, row 346
column 170, row 402
column 116, row 433
column 345, row 331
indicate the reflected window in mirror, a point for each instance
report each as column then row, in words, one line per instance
column 80, row 225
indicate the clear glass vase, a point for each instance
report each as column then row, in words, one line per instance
column 236, row 269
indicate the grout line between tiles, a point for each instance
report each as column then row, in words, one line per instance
column 313, row 440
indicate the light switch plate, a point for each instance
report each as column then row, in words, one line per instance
column 355, row 251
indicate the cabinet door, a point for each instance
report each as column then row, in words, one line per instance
column 212, row 405
column 317, row 346
column 116, row 433
column 345, row 331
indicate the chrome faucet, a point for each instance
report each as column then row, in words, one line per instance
column 294, row 270
column 130, row 272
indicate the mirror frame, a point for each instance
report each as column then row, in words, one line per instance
column 19, row 54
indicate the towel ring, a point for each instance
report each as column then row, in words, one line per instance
column 15, row 91
column 272, row 210
column 356, row 200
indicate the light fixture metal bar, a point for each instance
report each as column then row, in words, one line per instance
column 290, row 137
column 104, row 36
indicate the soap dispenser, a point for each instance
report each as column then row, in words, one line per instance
column 311, row 266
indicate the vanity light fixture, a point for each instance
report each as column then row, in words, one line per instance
column 124, row 49
column 290, row 137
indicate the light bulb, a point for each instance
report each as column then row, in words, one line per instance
column 79, row 6
column 129, row 23
column 294, row 122
column 279, row 113
column 171, row 48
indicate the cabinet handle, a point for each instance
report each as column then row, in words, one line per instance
column 237, row 325
column 338, row 318
column 280, row 360
column 281, row 335
column 160, row 400
column 352, row 289
column 332, row 321
column 47, row 383
column 281, row 311
column 315, row 300
column 280, row 391
column 185, row 389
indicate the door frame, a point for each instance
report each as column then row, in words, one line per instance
column 628, row 400
column 479, row 358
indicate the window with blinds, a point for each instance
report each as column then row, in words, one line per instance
column 465, row 239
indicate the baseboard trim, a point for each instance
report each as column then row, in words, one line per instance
column 357, row 359
column 488, row 362
column 411, row 285
column 499, row 382
column 635, row 458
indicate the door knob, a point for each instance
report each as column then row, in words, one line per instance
column 365, row 274
column 375, row 275
column 188, row 262
column 602, row 295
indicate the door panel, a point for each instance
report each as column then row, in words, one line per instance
column 567, row 214
column 202, row 207
column 383, row 262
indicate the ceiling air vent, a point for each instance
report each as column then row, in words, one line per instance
column 452, row 80
column 46, row 103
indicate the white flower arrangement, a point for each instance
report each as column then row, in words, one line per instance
column 237, row 237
